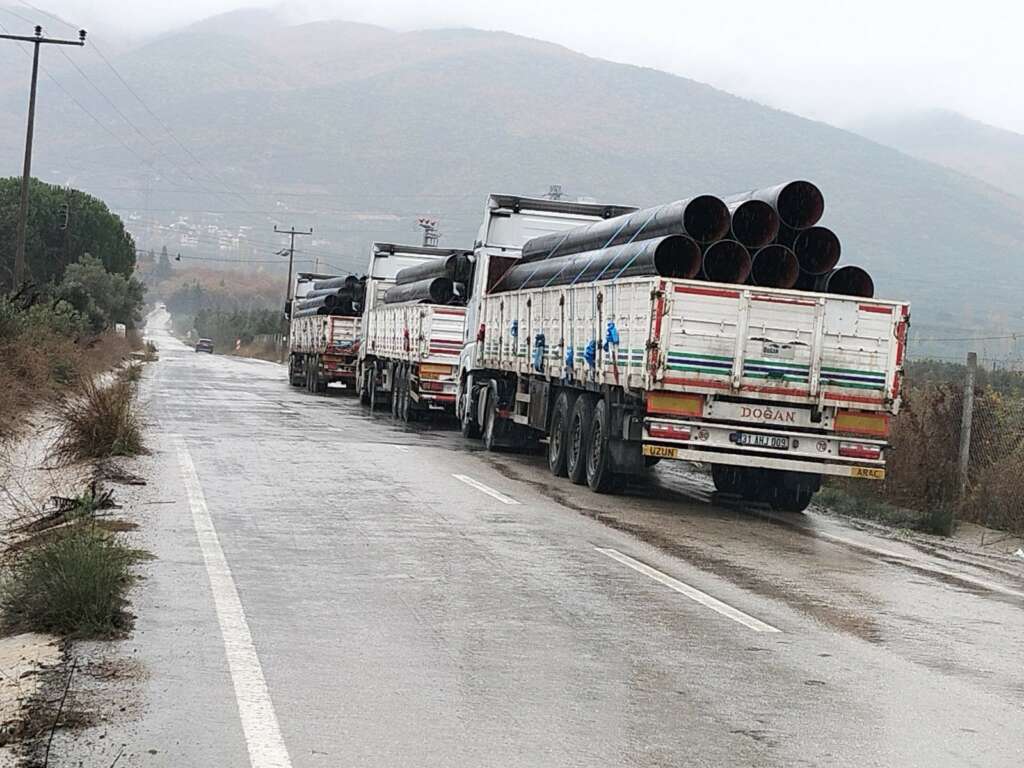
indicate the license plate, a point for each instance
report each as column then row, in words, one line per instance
column 871, row 473
column 763, row 441
column 661, row 451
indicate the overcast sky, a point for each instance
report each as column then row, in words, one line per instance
column 834, row 60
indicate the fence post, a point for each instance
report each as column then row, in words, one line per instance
column 965, row 422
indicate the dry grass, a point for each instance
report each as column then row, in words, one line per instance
column 96, row 422
column 74, row 584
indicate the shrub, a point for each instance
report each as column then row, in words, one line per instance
column 99, row 421
column 73, row 584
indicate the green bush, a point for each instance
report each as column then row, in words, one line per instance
column 73, row 584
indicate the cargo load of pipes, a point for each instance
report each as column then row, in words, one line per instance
column 767, row 237
column 438, row 281
column 333, row 296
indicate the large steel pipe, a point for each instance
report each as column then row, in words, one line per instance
column 456, row 267
column 775, row 266
column 848, row 281
column 436, row 290
column 354, row 292
column 817, row 248
column 799, row 204
column 726, row 261
column 754, row 222
column 703, row 218
column 676, row 256
column 349, row 281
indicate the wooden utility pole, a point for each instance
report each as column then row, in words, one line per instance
column 37, row 40
column 290, row 250
column 966, row 419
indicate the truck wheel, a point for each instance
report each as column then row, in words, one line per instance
column 490, row 428
column 601, row 476
column 293, row 379
column 467, row 423
column 375, row 393
column 792, row 499
column 558, row 435
column 727, row 478
column 578, row 442
column 396, row 390
column 406, row 412
column 364, row 389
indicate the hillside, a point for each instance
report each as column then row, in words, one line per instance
column 991, row 154
column 355, row 130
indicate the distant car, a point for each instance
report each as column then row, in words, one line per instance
column 204, row 345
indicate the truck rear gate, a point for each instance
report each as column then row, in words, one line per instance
column 728, row 374
column 323, row 349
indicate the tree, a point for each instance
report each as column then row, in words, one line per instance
column 104, row 298
column 63, row 225
column 163, row 267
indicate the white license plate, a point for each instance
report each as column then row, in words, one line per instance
column 763, row 441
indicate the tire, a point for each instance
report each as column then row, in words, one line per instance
column 601, row 476
column 490, row 427
column 467, row 424
column 792, row 499
column 406, row 412
column 558, row 434
column 364, row 389
column 396, row 390
column 577, row 445
column 727, row 478
column 375, row 393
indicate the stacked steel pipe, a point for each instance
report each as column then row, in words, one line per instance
column 438, row 281
column 333, row 296
column 768, row 237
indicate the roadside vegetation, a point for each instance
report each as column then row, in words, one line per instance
column 70, row 574
column 97, row 421
column 223, row 305
column 921, row 489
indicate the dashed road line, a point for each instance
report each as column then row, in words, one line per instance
column 486, row 489
column 691, row 592
column 255, row 709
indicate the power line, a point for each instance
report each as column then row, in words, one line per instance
column 1013, row 336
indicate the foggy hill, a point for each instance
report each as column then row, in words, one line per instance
column 362, row 129
column 948, row 138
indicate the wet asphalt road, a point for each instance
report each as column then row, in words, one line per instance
column 403, row 616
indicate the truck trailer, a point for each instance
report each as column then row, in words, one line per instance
column 322, row 349
column 773, row 388
column 410, row 351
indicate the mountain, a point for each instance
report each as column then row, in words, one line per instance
column 977, row 149
column 355, row 130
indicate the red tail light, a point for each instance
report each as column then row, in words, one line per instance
column 860, row 451
column 431, row 386
column 668, row 431
column 480, row 333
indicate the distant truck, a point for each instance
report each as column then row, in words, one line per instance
column 409, row 353
column 773, row 388
column 322, row 349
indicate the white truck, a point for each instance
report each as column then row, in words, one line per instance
column 322, row 349
column 773, row 388
column 410, row 351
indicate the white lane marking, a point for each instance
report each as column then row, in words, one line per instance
column 255, row 709
column 486, row 489
column 691, row 592
column 401, row 448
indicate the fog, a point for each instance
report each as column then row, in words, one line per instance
column 835, row 62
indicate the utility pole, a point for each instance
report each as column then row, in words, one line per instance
column 290, row 250
column 430, row 233
column 37, row 39
column 965, row 421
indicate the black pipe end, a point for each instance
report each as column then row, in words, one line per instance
column 800, row 204
column 678, row 256
column 727, row 261
column 775, row 266
column 850, row 281
column 706, row 218
column 754, row 223
column 818, row 249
